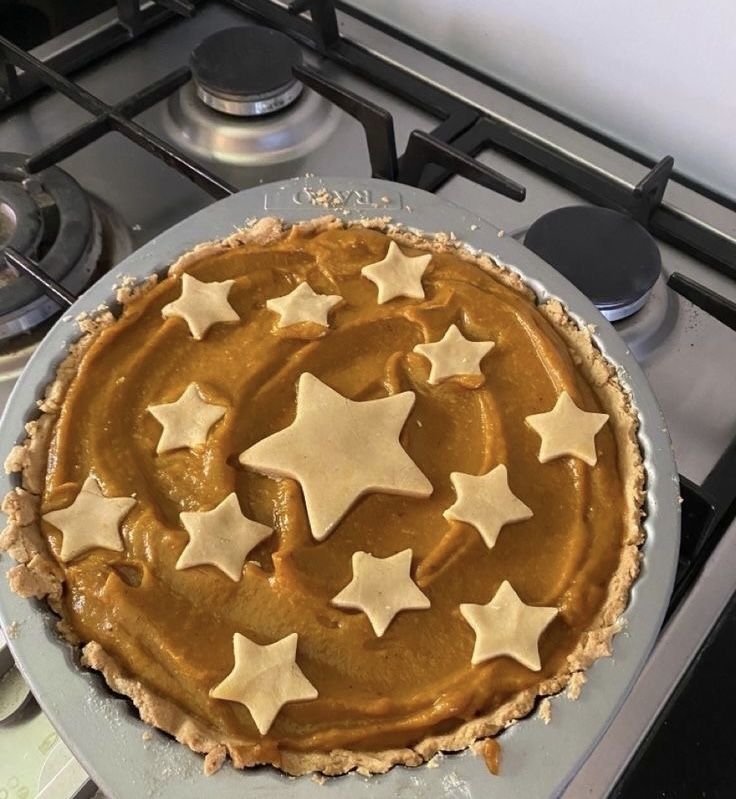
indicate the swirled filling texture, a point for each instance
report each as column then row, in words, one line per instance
column 173, row 629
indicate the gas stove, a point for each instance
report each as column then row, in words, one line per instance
column 190, row 102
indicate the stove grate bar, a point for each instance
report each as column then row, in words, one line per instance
column 377, row 123
column 424, row 151
column 107, row 38
column 423, row 148
column 643, row 202
column 720, row 484
column 649, row 192
column 131, row 16
column 163, row 150
column 51, row 287
column 707, row 512
column 709, row 301
column 324, row 20
column 697, row 513
column 91, row 131
column 694, row 238
column 447, row 131
column 9, row 81
column 707, row 509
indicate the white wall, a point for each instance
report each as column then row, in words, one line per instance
column 659, row 75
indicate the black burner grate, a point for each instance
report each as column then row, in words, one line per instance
column 430, row 160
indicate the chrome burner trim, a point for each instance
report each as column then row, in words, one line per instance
column 615, row 314
column 250, row 107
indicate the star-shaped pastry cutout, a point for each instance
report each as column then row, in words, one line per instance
column 454, row 355
column 91, row 521
column 381, row 588
column 187, row 421
column 397, row 275
column 264, row 679
column 303, row 304
column 339, row 450
column 567, row 430
column 202, row 305
column 506, row 626
column 486, row 502
column 221, row 537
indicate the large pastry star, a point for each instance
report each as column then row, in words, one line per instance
column 381, row 587
column 506, row 626
column 567, row 430
column 397, row 275
column 92, row 520
column 454, row 355
column 264, row 679
column 186, row 422
column 340, row 450
column 202, row 305
column 303, row 304
column 486, row 502
column 220, row 537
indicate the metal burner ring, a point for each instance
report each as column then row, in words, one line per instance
column 57, row 195
column 239, row 107
column 20, row 220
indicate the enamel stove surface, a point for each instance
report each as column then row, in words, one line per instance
column 685, row 353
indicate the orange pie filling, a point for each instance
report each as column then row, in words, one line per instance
column 172, row 629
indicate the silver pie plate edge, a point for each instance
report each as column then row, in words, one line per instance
column 104, row 731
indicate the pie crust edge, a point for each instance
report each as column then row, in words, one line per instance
column 38, row 575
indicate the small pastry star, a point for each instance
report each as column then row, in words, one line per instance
column 303, row 304
column 454, row 355
column 506, row 626
column 187, row 421
column 202, row 305
column 486, row 502
column 264, row 679
column 220, row 537
column 567, row 430
column 340, row 450
column 92, row 520
column 397, row 275
column 381, row 588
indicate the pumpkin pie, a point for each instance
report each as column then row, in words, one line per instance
column 331, row 496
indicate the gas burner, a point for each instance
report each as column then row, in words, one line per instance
column 245, row 108
column 607, row 255
column 247, row 71
column 49, row 218
column 116, row 244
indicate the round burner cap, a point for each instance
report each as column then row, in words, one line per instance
column 246, row 71
column 610, row 257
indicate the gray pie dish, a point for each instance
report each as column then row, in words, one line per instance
column 128, row 759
